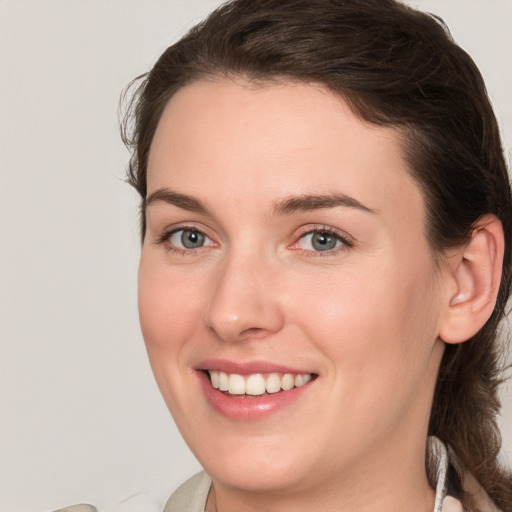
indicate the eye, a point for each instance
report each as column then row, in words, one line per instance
column 322, row 241
column 187, row 239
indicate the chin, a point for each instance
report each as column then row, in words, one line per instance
column 252, row 463
column 260, row 475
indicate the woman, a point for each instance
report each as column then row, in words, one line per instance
column 326, row 227
column 326, row 257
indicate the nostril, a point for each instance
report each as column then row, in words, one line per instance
column 253, row 331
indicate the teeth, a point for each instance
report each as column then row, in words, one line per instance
column 223, row 381
column 299, row 380
column 236, row 384
column 288, row 381
column 215, row 379
column 273, row 384
column 256, row 384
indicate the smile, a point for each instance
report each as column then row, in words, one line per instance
column 257, row 384
column 252, row 391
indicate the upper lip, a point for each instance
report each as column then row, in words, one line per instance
column 247, row 367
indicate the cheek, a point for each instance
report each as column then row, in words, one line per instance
column 378, row 336
column 373, row 319
column 169, row 311
column 169, row 307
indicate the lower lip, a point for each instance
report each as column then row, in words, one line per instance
column 247, row 409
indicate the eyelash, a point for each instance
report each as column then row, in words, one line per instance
column 165, row 237
column 346, row 242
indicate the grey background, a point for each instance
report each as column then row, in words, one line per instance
column 80, row 416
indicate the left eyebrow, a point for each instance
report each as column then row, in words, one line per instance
column 306, row 203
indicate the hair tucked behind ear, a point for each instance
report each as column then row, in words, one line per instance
column 397, row 67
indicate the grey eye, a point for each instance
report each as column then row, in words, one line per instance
column 188, row 239
column 320, row 241
column 323, row 241
column 192, row 239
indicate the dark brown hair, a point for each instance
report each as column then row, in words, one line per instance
column 396, row 67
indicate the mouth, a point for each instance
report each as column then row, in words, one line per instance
column 253, row 390
column 256, row 384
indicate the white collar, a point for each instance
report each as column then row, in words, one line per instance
column 443, row 503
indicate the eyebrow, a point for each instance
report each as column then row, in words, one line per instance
column 294, row 204
column 309, row 202
column 183, row 201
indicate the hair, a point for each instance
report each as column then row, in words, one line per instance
column 396, row 67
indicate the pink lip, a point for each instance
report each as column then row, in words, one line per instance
column 242, row 408
column 246, row 368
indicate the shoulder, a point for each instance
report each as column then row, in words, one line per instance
column 190, row 496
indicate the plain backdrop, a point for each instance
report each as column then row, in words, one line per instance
column 80, row 416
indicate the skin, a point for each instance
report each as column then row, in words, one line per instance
column 364, row 316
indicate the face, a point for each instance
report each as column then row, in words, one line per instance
column 288, row 298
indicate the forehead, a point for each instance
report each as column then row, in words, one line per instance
column 233, row 140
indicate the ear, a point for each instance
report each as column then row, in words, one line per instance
column 475, row 274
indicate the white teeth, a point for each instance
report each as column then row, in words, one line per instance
column 236, row 384
column 288, row 381
column 273, row 384
column 214, row 376
column 223, row 381
column 299, row 380
column 256, row 384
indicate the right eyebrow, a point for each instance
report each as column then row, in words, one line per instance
column 183, row 201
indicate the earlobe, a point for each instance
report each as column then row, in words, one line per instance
column 475, row 281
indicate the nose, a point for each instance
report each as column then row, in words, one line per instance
column 244, row 302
